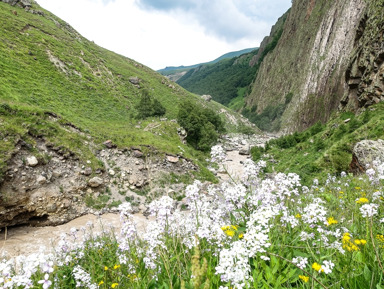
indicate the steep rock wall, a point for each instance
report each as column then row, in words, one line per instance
column 309, row 61
column 365, row 73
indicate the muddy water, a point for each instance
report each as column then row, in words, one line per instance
column 27, row 240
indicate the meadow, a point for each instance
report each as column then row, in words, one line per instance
column 260, row 231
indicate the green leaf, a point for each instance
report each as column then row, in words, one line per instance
column 367, row 274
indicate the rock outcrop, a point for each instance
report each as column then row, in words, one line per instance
column 51, row 187
column 364, row 153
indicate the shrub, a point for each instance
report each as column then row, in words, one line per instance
column 202, row 125
column 149, row 106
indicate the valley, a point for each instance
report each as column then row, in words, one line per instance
column 262, row 169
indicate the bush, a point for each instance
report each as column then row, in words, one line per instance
column 149, row 106
column 202, row 125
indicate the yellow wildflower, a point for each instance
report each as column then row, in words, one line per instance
column 229, row 230
column 241, row 236
column 331, row 221
column 357, row 188
column 114, row 285
column 105, row 268
column 362, row 201
column 116, row 267
column 101, row 282
column 357, row 242
column 363, row 242
column 304, row 278
column 380, row 238
column 298, row 216
column 317, row 267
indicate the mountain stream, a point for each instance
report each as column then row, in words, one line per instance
column 25, row 240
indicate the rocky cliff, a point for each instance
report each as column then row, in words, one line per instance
column 329, row 56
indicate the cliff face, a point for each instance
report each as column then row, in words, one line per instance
column 365, row 72
column 329, row 56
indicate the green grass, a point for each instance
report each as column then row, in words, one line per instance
column 91, row 91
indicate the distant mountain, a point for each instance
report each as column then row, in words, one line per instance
column 224, row 80
column 175, row 72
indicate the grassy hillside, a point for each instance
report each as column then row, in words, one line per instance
column 323, row 149
column 58, row 86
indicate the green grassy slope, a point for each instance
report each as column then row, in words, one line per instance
column 46, row 66
column 323, row 149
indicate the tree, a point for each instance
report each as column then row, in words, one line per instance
column 149, row 106
column 202, row 125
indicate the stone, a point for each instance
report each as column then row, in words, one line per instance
column 32, row 161
column 87, row 171
column 206, row 97
column 95, row 182
column 364, row 153
column 134, row 80
column 111, row 172
column 245, row 151
column 41, row 180
column 137, row 153
column 172, row 159
column 109, row 144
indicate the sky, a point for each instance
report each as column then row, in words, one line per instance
column 160, row 33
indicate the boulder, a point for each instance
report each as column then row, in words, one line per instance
column 95, row 182
column 137, row 153
column 364, row 153
column 206, row 97
column 32, row 161
column 172, row 159
column 245, row 151
column 134, row 80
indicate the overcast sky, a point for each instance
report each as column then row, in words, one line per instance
column 160, row 33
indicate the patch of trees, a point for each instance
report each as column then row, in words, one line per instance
column 149, row 106
column 202, row 125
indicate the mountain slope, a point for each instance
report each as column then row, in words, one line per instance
column 72, row 139
column 319, row 50
column 175, row 72
column 224, row 80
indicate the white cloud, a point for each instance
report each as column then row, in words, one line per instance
column 186, row 32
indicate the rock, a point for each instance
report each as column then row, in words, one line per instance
column 364, row 153
column 206, row 97
column 245, row 151
column 134, row 80
column 111, row 172
column 32, row 161
column 172, row 159
column 56, row 173
column 95, row 182
column 137, row 153
column 51, row 208
column 109, row 144
column 87, row 171
column 41, row 180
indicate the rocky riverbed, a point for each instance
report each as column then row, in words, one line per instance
column 26, row 239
